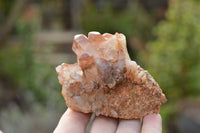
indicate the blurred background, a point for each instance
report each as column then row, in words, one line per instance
column 163, row 36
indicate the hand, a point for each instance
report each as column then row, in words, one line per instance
column 75, row 122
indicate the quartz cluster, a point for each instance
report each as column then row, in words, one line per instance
column 105, row 81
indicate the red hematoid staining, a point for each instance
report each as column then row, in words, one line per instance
column 105, row 81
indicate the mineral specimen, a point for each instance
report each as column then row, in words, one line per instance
column 106, row 82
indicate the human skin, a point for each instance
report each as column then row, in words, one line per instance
column 76, row 122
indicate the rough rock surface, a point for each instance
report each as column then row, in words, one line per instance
column 106, row 82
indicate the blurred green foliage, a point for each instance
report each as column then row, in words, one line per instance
column 5, row 6
column 174, row 57
column 132, row 21
column 24, row 73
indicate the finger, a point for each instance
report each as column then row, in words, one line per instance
column 152, row 124
column 129, row 126
column 72, row 122
column 102, row 124
column 1, row 131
